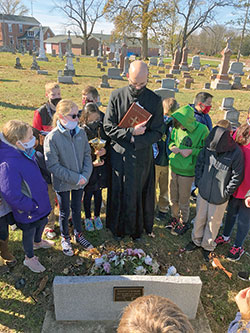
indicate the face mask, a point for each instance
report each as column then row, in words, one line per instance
column 135, row 92
column 206, row 108
column 28, row 145
column 69, row 124
column 55, row 101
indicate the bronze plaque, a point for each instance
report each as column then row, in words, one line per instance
column 127, row 294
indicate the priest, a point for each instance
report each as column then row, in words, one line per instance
column 130, row 202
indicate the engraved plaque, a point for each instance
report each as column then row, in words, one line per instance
column 127, row 294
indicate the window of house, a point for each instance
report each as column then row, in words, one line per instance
column 20, row 28
column 31, row 33
column 10, row 27
column 11, row 41
column 48, row 35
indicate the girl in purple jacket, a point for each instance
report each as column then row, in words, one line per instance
column 24, row 189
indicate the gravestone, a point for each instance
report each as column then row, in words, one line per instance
column 98, row 65
column 69, row 69
column 161, row 71
column 77, row 59
column 111, row 56
column 230, row 113
column 214, row 71
column 160, row 63
column 175, row 66
column 153, row 61
column 187, row 84
column 170, row 76
column 236, row 82
column 196, row 64
column 207, row 85
column 95, row 298
column 114, row 73
column 30, row 52
column 200, row 74
column 42, row 55
column 59, row 72
column 156, row 75
column 126, row 66
column 104, row 83
column 186, row 75
column 236, row 68
column 34, row 65
column 104, row 63
column 184, row 61
column 18, row 64
column 123, row 54
column 60, row 55
column 102, row 69
column 42, row 72
column 169, row 84
column 167, row 66
column 92, row 53
column 167, row 89
column 65, row 79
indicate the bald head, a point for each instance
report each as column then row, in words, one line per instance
column 138, row 74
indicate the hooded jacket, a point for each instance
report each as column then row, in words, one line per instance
column 192, row 138
column 220, row 167
column 22, row 185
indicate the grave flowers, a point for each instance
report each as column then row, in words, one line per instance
column 125, row 262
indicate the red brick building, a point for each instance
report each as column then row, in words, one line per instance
column 21, row 32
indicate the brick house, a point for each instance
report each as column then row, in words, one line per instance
column 21, row 31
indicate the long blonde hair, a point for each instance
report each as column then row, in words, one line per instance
column 63, row 108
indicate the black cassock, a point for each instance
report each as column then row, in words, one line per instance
column 131, row 189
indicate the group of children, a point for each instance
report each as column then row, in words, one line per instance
column 191, row 154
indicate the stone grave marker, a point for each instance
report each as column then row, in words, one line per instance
column 236, row 82
column 187, row 84
column 92, row 53
column 169, row 76
column 65, row 79
column 18, row 64
column 155, row 75
column 102, row 69
column 169, row 84
column 184, row 61
column 160, row 63
column 98, row 65
column 236, row 68
column 34, row 65
column 200, row 74
column 167, row 66
column 104, row 63
column 77, row 59
column 214, row 71
column 92, row 298
column 196, row 64
column 153, row 61
column 105, row 83
column 42, row 55
column 114, row 73
column 230, row 113
column 126, row 66
column 176, row 62
column 42, row 72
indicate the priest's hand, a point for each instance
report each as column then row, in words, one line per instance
column 139, row 129
column 185, row 152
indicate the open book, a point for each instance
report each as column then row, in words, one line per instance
column 135, row 115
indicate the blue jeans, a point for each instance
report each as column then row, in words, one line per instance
column 87, row 202
column 64, row 205
column 237, row 210
column 32, row 233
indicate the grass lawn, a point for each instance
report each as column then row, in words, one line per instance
column 22, row 91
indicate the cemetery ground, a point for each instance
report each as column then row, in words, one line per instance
column 21, row 92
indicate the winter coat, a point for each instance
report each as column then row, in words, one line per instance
column 202, row 118
column 160, row 148
column 67, row 158
column 22, row 185
column 220, row 167
column 245, row 185
column 247, row 195
column 4, row 207
column 192, row 138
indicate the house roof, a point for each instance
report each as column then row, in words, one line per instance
column 76, row 40
column 36, row 35
column 19, row 19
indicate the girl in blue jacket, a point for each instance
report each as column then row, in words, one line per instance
column 24, row 189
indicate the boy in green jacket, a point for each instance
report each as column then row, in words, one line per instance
column 187, row 139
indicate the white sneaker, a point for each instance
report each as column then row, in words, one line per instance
column 33, row 264
column 66, row 247
column 49, row 233
column 44, row 244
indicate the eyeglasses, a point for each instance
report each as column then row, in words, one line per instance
column 73, row 116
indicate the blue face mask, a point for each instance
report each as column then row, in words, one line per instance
column 28, row 145
column 69, row 124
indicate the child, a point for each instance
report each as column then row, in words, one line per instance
column 67, row 157
column 237, row 209
column 42, row 121
column 43, row 116
column 24, row 188
column 219, row 171
column 161, row 159
column 90, row 95
column 49, row 231
column 90, row 119
column 6, row 219
column 187, row 139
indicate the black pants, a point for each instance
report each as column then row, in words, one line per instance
column 97, row 201
column 5, row 221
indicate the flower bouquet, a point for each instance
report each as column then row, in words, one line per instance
column 125, row 262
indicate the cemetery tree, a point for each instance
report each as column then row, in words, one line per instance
column 83, row 15
column 13, row 7
column 133, row 16
column 195, row 14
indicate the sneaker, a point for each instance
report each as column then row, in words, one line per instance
column 98, row 223
column 66, row 247
column 44, row 244
column 172, row 223
column 179, row 229
column 191, row 247
column 83, row 241
column 220, row 240
column 33, row 264
column 206, row 255
column 235, row 253
column 161, row 216
column 245, row 276
column 89, row 226
column 49, row 233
